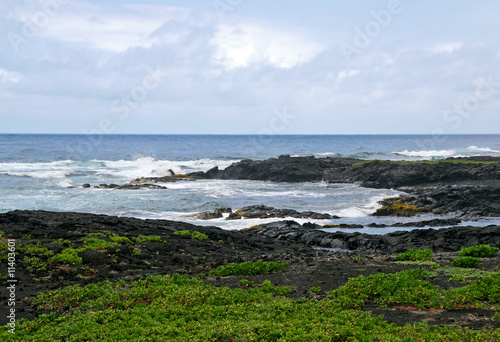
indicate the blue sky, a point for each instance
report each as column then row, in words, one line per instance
column 249, row 67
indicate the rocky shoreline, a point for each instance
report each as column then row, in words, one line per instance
column 134, row 248
column 462, row 187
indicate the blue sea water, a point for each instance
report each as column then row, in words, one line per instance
column 46, row 172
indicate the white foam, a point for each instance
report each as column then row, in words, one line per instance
column 150, row 167
column 365, row 209
column 427, row 154
column 39, row 174
column 482, row 149
column 460, row 152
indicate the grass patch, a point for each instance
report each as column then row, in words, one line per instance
column 67, row 256
column 480, row 251
column 176, row 308
column 193, row 235
column 415, row 255
column 466, row 262
column 411, row 287
column 248, row 268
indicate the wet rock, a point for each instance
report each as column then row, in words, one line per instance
column 86, row 186
column 93, row 257
column 262, row 211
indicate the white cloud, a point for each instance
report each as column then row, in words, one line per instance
column 446, row 48
column 9, row 76
column 114, row 29
column 347, row 73
column 249, row 44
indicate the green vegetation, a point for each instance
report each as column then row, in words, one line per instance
column 411, row 287
column 315, row 289
column 67, row 256
column 248, row 268
column 481, row 251
column 176, row 308
column 192, row 235
column 144, row 239
column 466, row 262
column 245, row 282
column 415, row 255
column 97, row 244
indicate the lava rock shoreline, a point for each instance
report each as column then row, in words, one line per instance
column 462, row 187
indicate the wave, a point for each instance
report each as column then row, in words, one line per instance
column 441, row 154
column 122, row 170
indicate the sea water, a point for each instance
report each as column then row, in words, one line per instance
column 46, row 172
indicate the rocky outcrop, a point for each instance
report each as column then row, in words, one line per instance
column 373, row 173
column 446, row 239
column 466, row 201
column 262, row 211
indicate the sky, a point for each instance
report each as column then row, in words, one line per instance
column 250, row 67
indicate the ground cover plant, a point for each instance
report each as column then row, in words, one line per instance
column 480, row 251
column 192, row 235
column 466, row 262
column 248, row 268
column 415, row 255
column 177, row 308
column 411, row 287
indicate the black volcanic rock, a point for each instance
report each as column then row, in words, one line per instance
column 262, row 211
column 374, row 173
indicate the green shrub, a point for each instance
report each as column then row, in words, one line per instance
column 248, row 268
column 67, row 256
column 415, row 255
column 480, row 251
column 143, row 239
column 466, row 262
column 193, row 235
column 36, row 249
column 176, row 308
column 403, row 287
column 245, row 282
column 201, row 276
column 97, row 244
column 119, row 239
column 315, row 289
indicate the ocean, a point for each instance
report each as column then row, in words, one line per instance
column 46, row 172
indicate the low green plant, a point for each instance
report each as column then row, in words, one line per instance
column 36, row 249
column 201, row 276
column 35, row 264
column 464, row 272
column 176, row 308
column 315, row 289
column 415, row 255
column 245, row 282
column 119, row 239
column 479, row 251
column 357, row 258
column 466, row 262
column 97, row 244
column 68, row 256
column 248, row 268
column 193, row 235
column 496, row 316
column 144, row 239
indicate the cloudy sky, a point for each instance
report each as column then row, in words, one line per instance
column 250, row 66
